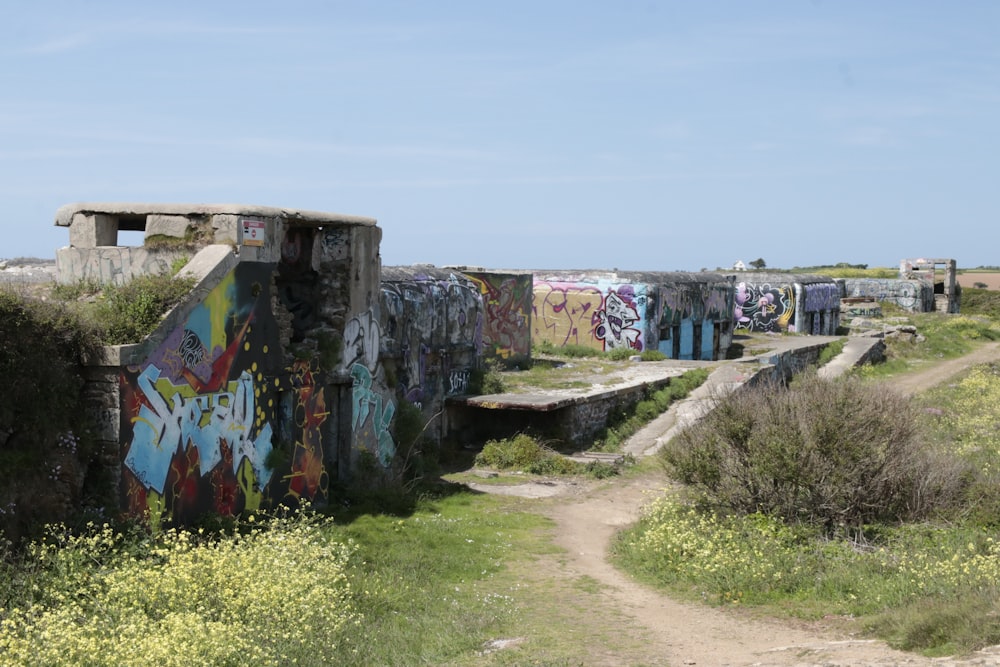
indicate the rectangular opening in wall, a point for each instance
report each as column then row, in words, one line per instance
column 131, row 230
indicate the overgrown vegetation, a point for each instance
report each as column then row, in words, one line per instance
column 841, row 499
column 624, row 424
column 831, row 352
column 941, row 337
column 981, row 303
column 574, row 351
column 838, row 455
column 525, row 453
column 46, row 442
column 488, row 379
column 846, row 270
column 113, row 598
column 129, row 312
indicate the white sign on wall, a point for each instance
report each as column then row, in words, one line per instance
column 253, row 231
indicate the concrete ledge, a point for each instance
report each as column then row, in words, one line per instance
column 64, row 215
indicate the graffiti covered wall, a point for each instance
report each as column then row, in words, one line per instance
column 432, row 322
column 819, row 310
column 601, row 315
column 763, row 306
column 212, row 421
column 912, row 295
column 507, row 298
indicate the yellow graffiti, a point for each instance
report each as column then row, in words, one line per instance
column 248, row 484
column 565, row 314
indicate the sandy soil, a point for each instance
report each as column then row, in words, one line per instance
column 587, row 516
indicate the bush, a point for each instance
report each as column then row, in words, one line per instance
column 130, row 312
column 519, row 452
column 45, row 435
column 489, row 379
column 835, row 454
column 525, row 453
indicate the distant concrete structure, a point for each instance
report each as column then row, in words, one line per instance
column 947, row 291
column 920, row 287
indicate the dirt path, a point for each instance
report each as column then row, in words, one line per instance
column 922, row 380
column 684, row 633
column 587, row 516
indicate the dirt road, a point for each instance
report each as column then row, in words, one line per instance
column 588, row 515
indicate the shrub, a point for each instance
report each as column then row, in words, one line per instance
column 45, row 442
column 130, row 312
column 835, row 454
column 525, row 453
column 518, row 452
column 489, row 380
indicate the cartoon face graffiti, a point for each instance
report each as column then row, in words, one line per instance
column 763, row 307
column 615, row 322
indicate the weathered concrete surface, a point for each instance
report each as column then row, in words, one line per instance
column 858, row 350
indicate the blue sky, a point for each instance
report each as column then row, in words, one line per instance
column 638, row 135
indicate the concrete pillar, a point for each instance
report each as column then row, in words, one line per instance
column 91, row 231
column 175, row 226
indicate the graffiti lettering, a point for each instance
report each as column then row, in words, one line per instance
column 458, row 382
column 336, row 243
column 191, row 351
column 507, row 304
column 367, row 402
column 565, row 314
column 362, row 341
column 164, row 425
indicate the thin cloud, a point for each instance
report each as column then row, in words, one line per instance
column 62, row 44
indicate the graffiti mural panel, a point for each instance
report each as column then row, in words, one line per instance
column 763, row 307
column 202, row 415
column 372, row 407
column 506, row 332
column 599, row 315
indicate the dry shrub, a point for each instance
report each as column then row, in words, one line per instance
column 837, row 454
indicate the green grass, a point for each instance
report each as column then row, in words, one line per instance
column 945, row 337
column 432, row 587
column 982, row 302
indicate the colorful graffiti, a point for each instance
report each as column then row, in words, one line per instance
column 763, row 307
column 507, row 312
column 615, row 324
column 595, row 315
column 308, row 477
column 203, row 414
column 371, row 408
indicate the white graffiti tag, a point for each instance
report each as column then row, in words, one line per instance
column 166, row 425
